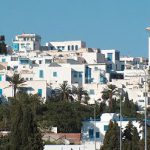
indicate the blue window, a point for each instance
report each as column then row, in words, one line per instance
column 68, row 48
column 1, row 91
column 54, row 74
column 80, row 74
column 105, row 127
column 87, row 74
column 91, row 133
column 24, row 61
column 41, row 74
column 3, row 60
column 109, row 56
column 91, row 92
column 102, row 79
column 39, row 92
column 15, row 46
column 0, row 77
column 75, row 74
column 76, row 47
column 97, row 135
column 122, row 67
column 72, row 47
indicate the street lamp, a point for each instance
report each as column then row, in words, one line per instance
column 121, row 94
column 145, row 112
column 148, row 29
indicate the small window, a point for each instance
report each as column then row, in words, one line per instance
column 91, row 133
column 122, row 67
column 39, row 92
column 76, row 47
column 91, row 92
column 105, row 127
column 72, row 47
column 40, row 61
column 27, row 79
column 109, row 56
column 144, row 94
column 41, row 74
column 1, row 92
column 80, row 74
column 68, row 47
column 3, row 60
column 54, row 74
column 52, row 48
column 0, row 77
column 8, row 67
column 75, row 73
column 58, row 47
column 141, row 101
column 97, row 135
column 31, row 78
column 22, row 46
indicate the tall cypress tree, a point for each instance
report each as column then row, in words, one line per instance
column 24, row 132
column 129, row 108
column 112, row 136
column 16, row 121
column 130, row 138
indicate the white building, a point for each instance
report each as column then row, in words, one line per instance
column 148, row 29
column 133, row 62
column 65, row 147
column 26, row 42
column 93, row 132
column 66, row 45
column 113, row 58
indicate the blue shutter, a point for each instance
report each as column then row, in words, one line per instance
column 1, row 91
column 0, row 77
column 54, row 74
column 109, row 56
column 91, row 133
column 97, row 135
column 39, row 92
column 41, row 74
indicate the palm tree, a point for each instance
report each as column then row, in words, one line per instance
column 79, row 92
column 65, row 91
column 15, row 82
column 108, row 94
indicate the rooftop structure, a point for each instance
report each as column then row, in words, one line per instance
column 26, row 42
column 66, row 45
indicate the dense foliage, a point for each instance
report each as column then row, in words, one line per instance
column 3, row 49
column 130, row 138
column 67, row 117
column 111, row 140
column 24, row 133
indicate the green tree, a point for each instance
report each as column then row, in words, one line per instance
column 65, row 91
column 128, row 107
column 130, row 138
column 24, row 132
column 80, row 93
column 3, row 48
column 108, row 94
column 111, row 139
column 15, row 82
column 66, row 116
